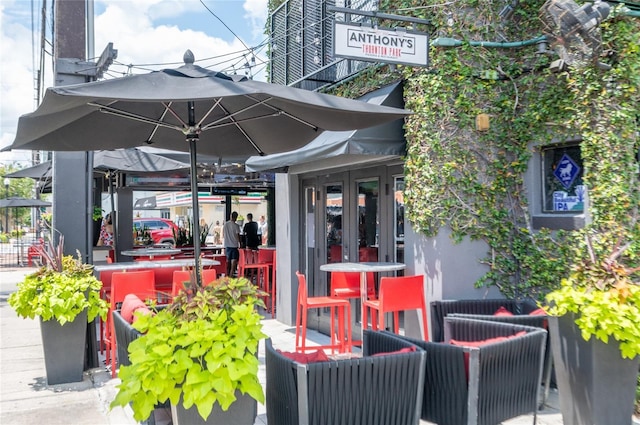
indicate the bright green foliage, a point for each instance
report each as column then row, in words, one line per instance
column 603, row 288
column 60, row 295
column 198, row 351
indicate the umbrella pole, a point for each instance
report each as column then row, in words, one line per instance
column 192, row 139
column 114, row 220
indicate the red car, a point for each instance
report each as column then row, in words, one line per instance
column 161, row 230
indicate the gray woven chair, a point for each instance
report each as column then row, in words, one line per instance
column 125, row 334
column 372, row 390
column 440, row 309
column 499, row 382
column 484, row 310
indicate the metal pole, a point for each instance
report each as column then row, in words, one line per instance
column 192, row 138
column 6, row 211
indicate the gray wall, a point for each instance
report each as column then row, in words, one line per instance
column 450, row 269
column 287, row 228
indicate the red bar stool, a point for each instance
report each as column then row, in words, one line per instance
column 248, row 264
column 268, row 256
column 346, row 285
column 140, row 283
column 344, row 315
column 397, row 294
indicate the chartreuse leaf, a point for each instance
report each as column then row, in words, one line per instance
column 60, row 294
column 199, row 350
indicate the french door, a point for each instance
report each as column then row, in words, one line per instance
column 351, row 216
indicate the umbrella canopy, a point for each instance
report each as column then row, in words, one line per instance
column 231, row 116
column 15, row 202
column 382, row 141
column 135, row 160
column 131, row 159
column 190, row 109
column 37, row 172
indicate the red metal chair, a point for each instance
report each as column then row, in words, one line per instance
column 347, row 285
column 182, row 276
column 140, row 283
column 367, row 254
column 248, row 266
column 397, row 294
column 344, row 316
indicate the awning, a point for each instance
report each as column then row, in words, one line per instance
column 339, row 148
column 148, row 203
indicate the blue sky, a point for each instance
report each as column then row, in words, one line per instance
column 148, row 34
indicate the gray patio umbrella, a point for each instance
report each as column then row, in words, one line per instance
column 216, row 114
column 15, row 202
column 106, row 162
column 131, row 159
column 37, row 172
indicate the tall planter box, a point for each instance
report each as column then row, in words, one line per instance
column 242, row 412
column 596, row 385
column 64, row 349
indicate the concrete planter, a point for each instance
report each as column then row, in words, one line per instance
column 596, row 385
column 242, row 412
column 64, row 349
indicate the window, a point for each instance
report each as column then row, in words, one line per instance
column 563, row 190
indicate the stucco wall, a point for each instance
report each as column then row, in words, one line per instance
column 450, row 269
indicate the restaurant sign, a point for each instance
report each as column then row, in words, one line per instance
column 380, row 45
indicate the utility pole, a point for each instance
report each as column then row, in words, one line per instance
column 73, row 171
column 72, row 176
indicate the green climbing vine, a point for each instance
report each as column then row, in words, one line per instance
column 473, row 182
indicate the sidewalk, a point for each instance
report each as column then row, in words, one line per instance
column 26, row 399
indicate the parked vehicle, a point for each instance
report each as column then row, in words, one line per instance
column 161, row 230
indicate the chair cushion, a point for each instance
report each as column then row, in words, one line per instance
column 477, row 344
column 400, row 351
column 304, row 358
column 538, row 312
column 502, row 311
column 130, row 304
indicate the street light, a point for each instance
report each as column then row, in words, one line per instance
column 6, row 211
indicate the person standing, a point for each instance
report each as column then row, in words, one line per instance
column 262, row 230
column 106, row 232
column 217, row 233
column 250, row 231
column 231, row 232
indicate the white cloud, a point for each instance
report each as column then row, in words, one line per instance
column 131, row 26
column 257, row 14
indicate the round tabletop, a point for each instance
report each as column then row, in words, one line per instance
column 381, row 266
column 159, row 264
column 150, row 252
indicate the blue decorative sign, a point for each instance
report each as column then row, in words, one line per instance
column 566, row 171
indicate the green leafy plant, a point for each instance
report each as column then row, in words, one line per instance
column 97, row 213
column 603, row 288
column 198, row 351
column 60, row 290
column 142, row 237
column 184, row 236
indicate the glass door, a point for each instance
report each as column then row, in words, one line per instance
column 333, row 222
column 367, row 219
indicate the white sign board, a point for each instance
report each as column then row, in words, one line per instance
column 378, row 45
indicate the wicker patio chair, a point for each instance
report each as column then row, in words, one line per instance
column 371, row 390
column 485, row 310
column 482, row 385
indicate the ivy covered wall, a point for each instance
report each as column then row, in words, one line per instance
column 472, row 182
